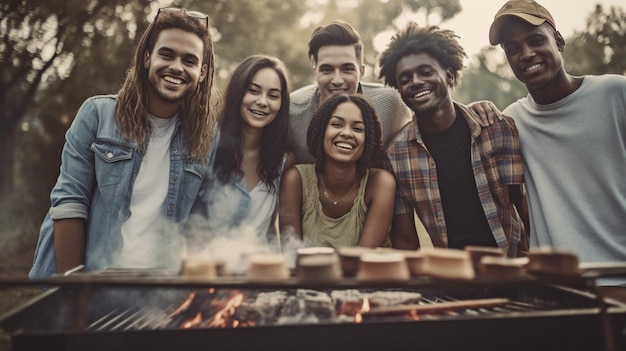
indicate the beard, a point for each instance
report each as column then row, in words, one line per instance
column 162, row 93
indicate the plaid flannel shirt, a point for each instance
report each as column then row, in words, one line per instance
column 496, row 163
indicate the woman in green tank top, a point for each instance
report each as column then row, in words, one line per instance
column 339, row 200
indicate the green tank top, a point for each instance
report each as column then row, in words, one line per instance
column 321, row 230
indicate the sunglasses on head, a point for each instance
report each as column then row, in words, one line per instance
column 195, row 14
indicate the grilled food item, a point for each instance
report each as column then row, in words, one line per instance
column 545, row 260
column 267, row 267
column 319, row 267
column 383, row 266
column 449, row 264
column 199, row 268
column 503, row 267
column 350, row 257
column 478, row 252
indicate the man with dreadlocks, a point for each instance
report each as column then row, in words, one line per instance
column 135, row 165
column 462, row 179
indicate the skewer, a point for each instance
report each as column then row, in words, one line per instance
column 439, row 306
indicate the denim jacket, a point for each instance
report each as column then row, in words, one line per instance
column 98, row 170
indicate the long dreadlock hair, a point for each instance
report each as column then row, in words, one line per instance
column 132, row 99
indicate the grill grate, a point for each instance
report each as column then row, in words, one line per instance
column 148, row 315
column 159, row 316
column 145, row 318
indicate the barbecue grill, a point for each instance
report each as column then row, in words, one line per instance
column 150, row 310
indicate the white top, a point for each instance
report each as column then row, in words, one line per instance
column 146, row 226
column 574, row 153
column 262, row 207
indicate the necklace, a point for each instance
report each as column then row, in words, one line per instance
column 326, row 195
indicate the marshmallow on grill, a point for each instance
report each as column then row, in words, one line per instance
column 478, row 252
column 198, row 267
column 389, row 266
column 319, row 267
column 503, row 267
column 267, row 267
column 414, row 258
column 449, row 264
column 545, row 260
column 350, row 257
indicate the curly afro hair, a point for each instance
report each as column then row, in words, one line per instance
column 317, row 129
column 442, row 44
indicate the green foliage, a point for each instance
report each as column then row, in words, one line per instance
column 446, row 9
column 490, row 78
column 601, row 48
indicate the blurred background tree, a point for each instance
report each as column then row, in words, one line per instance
column 601, row 48
column 56, row 53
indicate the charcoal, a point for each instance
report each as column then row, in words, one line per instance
column 347, row 302
column 249, row 315
column 317, row 303
column 293, row 307
column 270, row 304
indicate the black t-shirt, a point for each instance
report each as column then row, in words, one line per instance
column 465, row 219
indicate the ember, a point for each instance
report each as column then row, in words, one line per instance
column 226, row 308
column 209, row 309
column 358, row 317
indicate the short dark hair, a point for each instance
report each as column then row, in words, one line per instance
column 442, row 44
column 317, row 129
column 336, row 33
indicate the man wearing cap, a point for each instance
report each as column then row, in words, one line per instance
column 572, row 133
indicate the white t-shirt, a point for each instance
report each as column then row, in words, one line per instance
column 145, row 231
column 574, row 153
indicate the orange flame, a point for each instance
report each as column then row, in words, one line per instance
column 414, row 315
column 217, row 314
column 358, row 317
column 193, row 322
column 221, row 318
column 185, row 305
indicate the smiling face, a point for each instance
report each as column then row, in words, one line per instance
column 262, row 100
column 337, row 70
column 423, row 83
column 344, row 137
column 533, row 52
column 174, row 68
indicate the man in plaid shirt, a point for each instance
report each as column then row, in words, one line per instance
column 463, row 180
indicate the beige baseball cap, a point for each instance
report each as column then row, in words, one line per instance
column 528, row 10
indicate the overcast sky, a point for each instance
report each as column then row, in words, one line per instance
column 473, row 23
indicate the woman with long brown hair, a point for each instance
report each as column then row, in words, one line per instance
column 252, row 150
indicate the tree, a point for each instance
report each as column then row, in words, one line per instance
column 39, row 42
column 247, row 27
column 446, row 9
column 97, row 70
column 601, row 47
column 489, row 78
